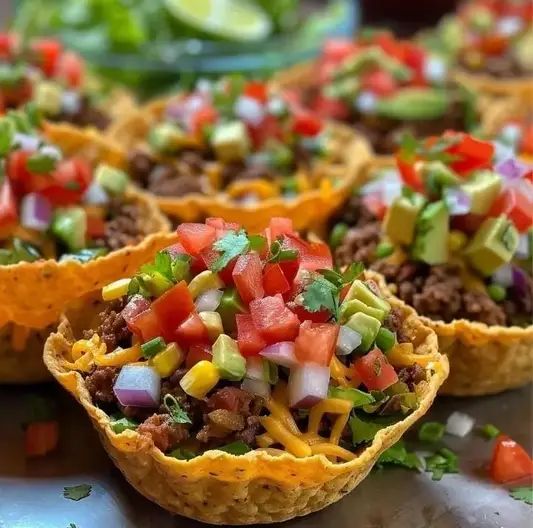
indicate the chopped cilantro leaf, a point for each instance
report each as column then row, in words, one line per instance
column 431, row 432
column 119, row 424
column 524, row 494
column 231, row 245
column 72, row 525
column 489, row 431
column 177, row 414
column 443, row 461
column 321, row 294
column 77, row 493
column 257, row 242
column 236, row 448
column 182, row 454
column 162, row 264
column 41, row 163
column 278, row 254
column 356, row 396
column 398, row 455
column 7, row 133
column 364, row 428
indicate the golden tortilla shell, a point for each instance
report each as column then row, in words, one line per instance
column 521, row 87
column 220, row 488
column 350, row 154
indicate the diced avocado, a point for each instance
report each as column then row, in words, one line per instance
column 167, row 138
column 112, row 180
column 345, row 88
column 70, row 227
column 400, row 220
column 373, row 56
column 207, row 280
column 347, row 309
column 437, row 175
column 431, row 239
column 227, row 358
column 360, row 291
column 522, row 50
column 48, row 98
column 365, row 325
column 483, row 188
column 414, row 103
column 156, row 283
column 213, row 323
column 230, row 141
column 230, row 305
column 493, row 245
column 452, row 33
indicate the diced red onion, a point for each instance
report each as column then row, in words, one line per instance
column 138, row 386
column 511, row 169
column 250, row 110
column 281, row 354
column 458, row 201
column 35, row 212
column 520, row 281
column 257, row 387
column 308, row 384
column 347, row 341
column 71, row 102
column 503, row 276
column 135, row 306
column 95, row 195
column 459, row 424
column 208, row 301
column 27, row 142
column 523, row 250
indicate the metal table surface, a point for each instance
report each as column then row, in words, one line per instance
column 31, row 491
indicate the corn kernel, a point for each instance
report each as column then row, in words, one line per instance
column 207, row 280
column 200, row 379
column 116, row 289
column 168, row 360
column 213, row 323
column 456, row 241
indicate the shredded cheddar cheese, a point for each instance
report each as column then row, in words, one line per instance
column 339, row 372
column 294, row 445
column 119, row 357
column 402, row 355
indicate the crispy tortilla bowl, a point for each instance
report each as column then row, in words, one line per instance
column 262, row 486
column 349, row 155
column 488, row 85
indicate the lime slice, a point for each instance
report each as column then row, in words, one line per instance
column 229, row 19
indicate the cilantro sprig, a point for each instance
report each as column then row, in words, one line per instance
column 231, row 245
column 77, row 493
column 398, row 455
column 177, row 414
column 524, row 494
column 279, row 254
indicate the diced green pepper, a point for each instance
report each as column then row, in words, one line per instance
column 385, row 339
column 70, row 227
column 230, row 305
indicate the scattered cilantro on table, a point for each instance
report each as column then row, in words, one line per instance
column 398, row 455
column 442, row 462
column 524, row 494
column 76, row 493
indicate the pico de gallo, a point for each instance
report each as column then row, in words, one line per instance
column 235, row 137
column 42, row 71
column 516, row 136
column 386, row 87
column 57, row 207
column 235, row 341
column 450, row 227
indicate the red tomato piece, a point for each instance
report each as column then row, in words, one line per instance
column 380, row 82
column 8, row 204
column 328, row 108
column 269, row 128
column 410, row 176
column 290, row 268
column 247, row 276
column 472, row 154
column 207, row 115
column 526, row 146
column 337, row 49
column 257, row 90
column 197, row 353
column 510, row 461
column 468, row 223
column 196, row 237
column 71, row 69
column 306, row 123
column 197, row 264
column 516, row 207
column 248, row 337
column 217, row 223
column 318, row 256
column 386, row 41
column 47, row 51
column 8, row 43
column 18, row 173
column 274, row 321
column 414, row 57
column 279, row 226
column 172, row 308
column 192, row 331
column 95, row 226
column 68, row 182
column 274, row 280
column 316, row 342
column 40, row 438
column 208, row 257
column 135, row 306
column 375, row 371
column 146, row 325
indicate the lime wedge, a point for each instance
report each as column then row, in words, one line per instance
column 236, row 20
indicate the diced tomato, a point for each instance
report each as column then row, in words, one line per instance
column 70, row 68
column 207, row 115
column 274, row 280
column 329, row 108
column 410, row 176
column 196, row 237
column 374, row 203
column 268, row 128
column 290, row 268
column 7, row 45
column 468, row 223
column 321, row 316
column 67, row 183
column 318, row 256
column 257, row 90
column 197, row 263
column 516, row 207
column 172, row 308
column 40, row 438
column 8, row 204
column 510, row 461
column 386, row 41
column 493, row 43
column 274, row 320
column 380, row 82
column 337, row 49
column 232, row 226
column 217, row 223
column 197, row 353
column 316, row 342
column 375, row 371
column 146, row 325
column 248, row 337
column 414, row 57
column 248, row 278
column 279, row 226
column 471, row 154
column 208, row 257
column 95, row 226
column 18, row 173
column 192, row 331
column 526, row 146
column 325, row 71
column 47, row 51
column 344, row 291
column 306, row 123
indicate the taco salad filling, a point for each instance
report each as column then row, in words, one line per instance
column 237, row 342
column 450, row 228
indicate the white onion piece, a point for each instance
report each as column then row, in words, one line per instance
column 390, row 191
column 35, row 212
column 71, row 102
column 95, row 195
column 281, row 354
column 509, row 25
column 250, row 110
column 503, row 276
column 459, row 424
column 458, row 202
column 204, row 86
column 435, row 70
column 502, row 151
column 51, row 152
column 366, row 102
column 27, row 142
column 257, row 387
column 511, row 133
column 308, row 384
column 523, row 249
column 276, row 106
column 208, row 301
column 255, row 369
column 347, row 341
column 138, row 386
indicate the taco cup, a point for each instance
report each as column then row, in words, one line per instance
column 479, row 308
column 231, row 437
column 69, row 223
column 234, row 150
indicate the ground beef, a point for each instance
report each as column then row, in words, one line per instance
column 86, row 115
column 123, row 228
column 393, row 322
column 412, row 375
column 112, row 327
column 519, row 305
column 100, row 383
column 166, row 180
column 478, row 306
column 359, row 244
column 165, row 433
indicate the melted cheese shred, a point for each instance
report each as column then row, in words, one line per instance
column 282, row 435
column 331, row 450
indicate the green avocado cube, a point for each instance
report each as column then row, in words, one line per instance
column 112, row 180
column 437, row 175
column 70, row 227
column 431, row 238
column 400, row 220
column 230, row 141
column 365, row 325
column 349, row 308
column 167, row 138
column 493, row 245
column 360, row 291
column 227, row 358
column 48, row 98
column 483, row 188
